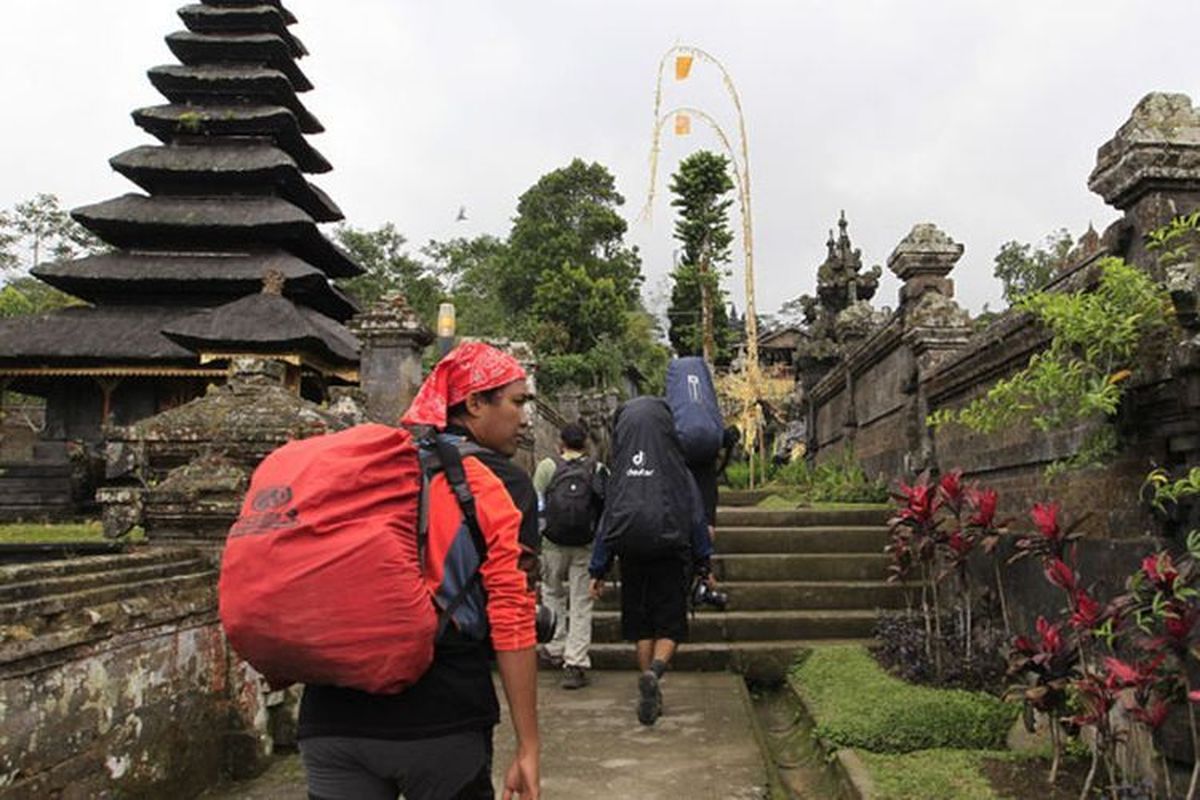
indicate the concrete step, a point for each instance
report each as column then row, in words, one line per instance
column 840, row 539
column 744, row 626
column 798, row 595
column 742, row 498
column 801, row 517
column 764, row 661
column 61, row 567
column 758, row 567
column 123, row 575
column 24, row 611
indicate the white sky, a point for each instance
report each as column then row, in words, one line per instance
column 982, row 117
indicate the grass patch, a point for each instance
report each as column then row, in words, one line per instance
column 854, row 703
column 785, row 501
column 41, row 533
column 930, row 775
column 776, row 503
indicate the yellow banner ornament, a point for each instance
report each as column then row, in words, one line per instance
column 683, row 67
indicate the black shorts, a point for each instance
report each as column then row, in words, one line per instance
column 654, row 599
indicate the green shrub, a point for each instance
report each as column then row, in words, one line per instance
column 929, row 775
column 855, row 703
column 737, row 473
column 840, row 480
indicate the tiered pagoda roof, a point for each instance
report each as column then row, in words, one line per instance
column 225, row 202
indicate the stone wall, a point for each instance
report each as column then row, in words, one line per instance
column 876, row 398
column 116, row 681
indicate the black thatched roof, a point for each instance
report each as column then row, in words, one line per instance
column 268, row 49
column 213, row 169
column 266, row 324
column 222, row 83
column 210, row 223
column 190, row 123
column 97, row 335
column 241, row 19
column 288, row 18
column 227, row 203
column 207, row 279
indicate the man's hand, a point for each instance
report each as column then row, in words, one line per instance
column 522, row 781
column 712, row 533
column 596, row 588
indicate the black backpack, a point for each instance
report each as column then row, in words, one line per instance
column 571, row 502
column 652, row 500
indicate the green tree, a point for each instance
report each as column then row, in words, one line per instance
column 32, row 233
column 27, row 295
column 568, row 219
column 701, row 187
column 389, row 268
column 686, row 314
column 40, row 230
column 469, row 272
column 1023, row 268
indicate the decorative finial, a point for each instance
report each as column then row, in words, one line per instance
column 273, row 281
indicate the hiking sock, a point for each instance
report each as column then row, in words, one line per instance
column 658, row 667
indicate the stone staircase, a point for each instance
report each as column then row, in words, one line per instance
column 52, row 609
column 793, row 578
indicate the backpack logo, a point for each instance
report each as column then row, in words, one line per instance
column 638, row 470
column 267, row 516
column 693, row 382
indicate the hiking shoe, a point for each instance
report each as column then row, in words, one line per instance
column 574, row 678
column 547, row 661
column 649, row 698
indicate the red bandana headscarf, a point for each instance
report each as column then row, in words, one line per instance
column 470, row 367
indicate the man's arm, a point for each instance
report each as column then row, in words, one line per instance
column 504, row 502
column 543, row 475
column 518, row 675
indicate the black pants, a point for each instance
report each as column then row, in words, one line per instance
column 654, row 599
column 454, row 767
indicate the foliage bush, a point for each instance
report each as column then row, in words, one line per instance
column 737, row 473
column 1099, row 341
column 841, row 480
column 856, row 704
column 901, row 649
column 930, row 775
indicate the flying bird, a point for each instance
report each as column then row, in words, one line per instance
column 462, row 214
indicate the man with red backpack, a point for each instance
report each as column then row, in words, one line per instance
column 433, row 740
column 571, row 489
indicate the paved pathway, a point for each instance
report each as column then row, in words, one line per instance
column 703, row 748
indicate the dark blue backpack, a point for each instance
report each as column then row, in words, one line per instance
column 693, row 401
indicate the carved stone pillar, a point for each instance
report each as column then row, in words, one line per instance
column 393, row 342
column 934, row 326
column 1150, row 169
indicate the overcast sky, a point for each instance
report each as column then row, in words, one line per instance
column 982, row 117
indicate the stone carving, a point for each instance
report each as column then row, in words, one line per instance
column 923, row 260
column 840, row 313
column 180, row 474
column 1159, row 145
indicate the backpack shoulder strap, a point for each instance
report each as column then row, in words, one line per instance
column 445, row 456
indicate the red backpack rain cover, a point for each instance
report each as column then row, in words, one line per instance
column 321, row 580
